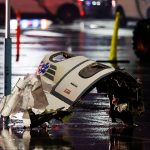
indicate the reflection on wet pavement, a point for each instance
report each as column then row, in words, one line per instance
column 72, row 136
column 90, row 127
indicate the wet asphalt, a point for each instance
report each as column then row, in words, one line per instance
column 89, row 127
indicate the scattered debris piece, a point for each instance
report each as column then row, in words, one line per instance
column 61, row 82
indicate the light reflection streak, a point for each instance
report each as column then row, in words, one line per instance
column 43, row 33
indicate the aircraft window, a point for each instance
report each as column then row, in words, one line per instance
column 60, row 57
column 92, row 69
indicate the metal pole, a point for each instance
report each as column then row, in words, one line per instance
column 7, row 54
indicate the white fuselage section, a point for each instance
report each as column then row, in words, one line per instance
column 66, row 84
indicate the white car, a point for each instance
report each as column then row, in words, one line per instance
column 132, row 9
column 65, row 10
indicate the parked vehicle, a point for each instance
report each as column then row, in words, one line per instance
column 138, row 10
column 132, row 9
column 97, row 8
column 63, row 10
column 141, row 39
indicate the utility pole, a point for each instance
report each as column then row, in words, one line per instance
column 8, row 52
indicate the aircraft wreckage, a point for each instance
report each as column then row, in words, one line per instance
column 62, row 80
